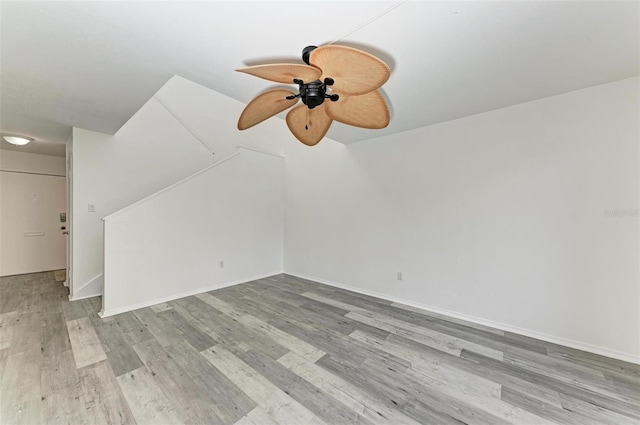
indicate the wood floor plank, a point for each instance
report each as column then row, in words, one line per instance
column 448, row 318
column 230, row 402
column 280, row 305
column 336, row 344
column 87, row 349
column 191, row 334
column 159, row 308
column 231, row 332
column 198, row 317
column 7, row 325
column 432, row 358
column 615, row 405
column 11, row 299
column 26, row 333
column 257, row 416
column 20, row 389
column 325, row 338
column 4, row 357
column 486, row 338
column 438, row 340
column 149, row 405
column 54, row 336
column 132, row 329
column 118, row 350
column 394, row 393
column 61, row 395
column 358, row 400
column 553, row 413
column 294, row 344
column 195, row 306
column 313, row 311
column 190, row 399
column 626, row 385
column 481, row 395
column 162, row 331
column 349, row 324
column 436, row 374
column 103, row 399
column 280, row 406
column 624, row 376
column 567, row 373
column 596, row 361
column 74, row 310
column 594, row 410
column 301, row 390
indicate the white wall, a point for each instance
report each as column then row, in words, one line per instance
column 30, row 236
column 213, row 118
column 169, row 138
column 32, row 163
column 111, row 172
column 171, row 244
column 500, row 217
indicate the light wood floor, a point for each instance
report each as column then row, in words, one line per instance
column 287, row 351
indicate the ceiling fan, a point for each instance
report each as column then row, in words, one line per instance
column 349, row 78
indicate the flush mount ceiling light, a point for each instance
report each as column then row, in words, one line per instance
column 17, row 140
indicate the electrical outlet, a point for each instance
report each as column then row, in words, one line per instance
column 221, row 264
column 400, row 276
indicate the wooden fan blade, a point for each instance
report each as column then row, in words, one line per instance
column 367, row 111
column 354, row 71
column 308, row 125
column 265, row 106
column 283, row 72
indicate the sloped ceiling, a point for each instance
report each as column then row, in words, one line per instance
column 93, row 64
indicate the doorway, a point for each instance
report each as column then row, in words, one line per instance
column 33, row 213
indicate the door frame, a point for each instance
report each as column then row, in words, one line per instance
column 69, row 279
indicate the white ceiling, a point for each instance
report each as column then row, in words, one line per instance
column 93, row 64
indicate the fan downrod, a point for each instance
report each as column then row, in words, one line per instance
column 306, row 53
column 314, row 93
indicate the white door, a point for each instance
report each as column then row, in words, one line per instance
column 31, row 238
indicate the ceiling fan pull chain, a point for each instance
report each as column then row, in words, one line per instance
column 306, row 126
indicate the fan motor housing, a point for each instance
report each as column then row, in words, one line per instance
column 313, row 94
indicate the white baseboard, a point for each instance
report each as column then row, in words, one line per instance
column 92, row 288
column 83, row 297
column 603, row 351
column 106, row 313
